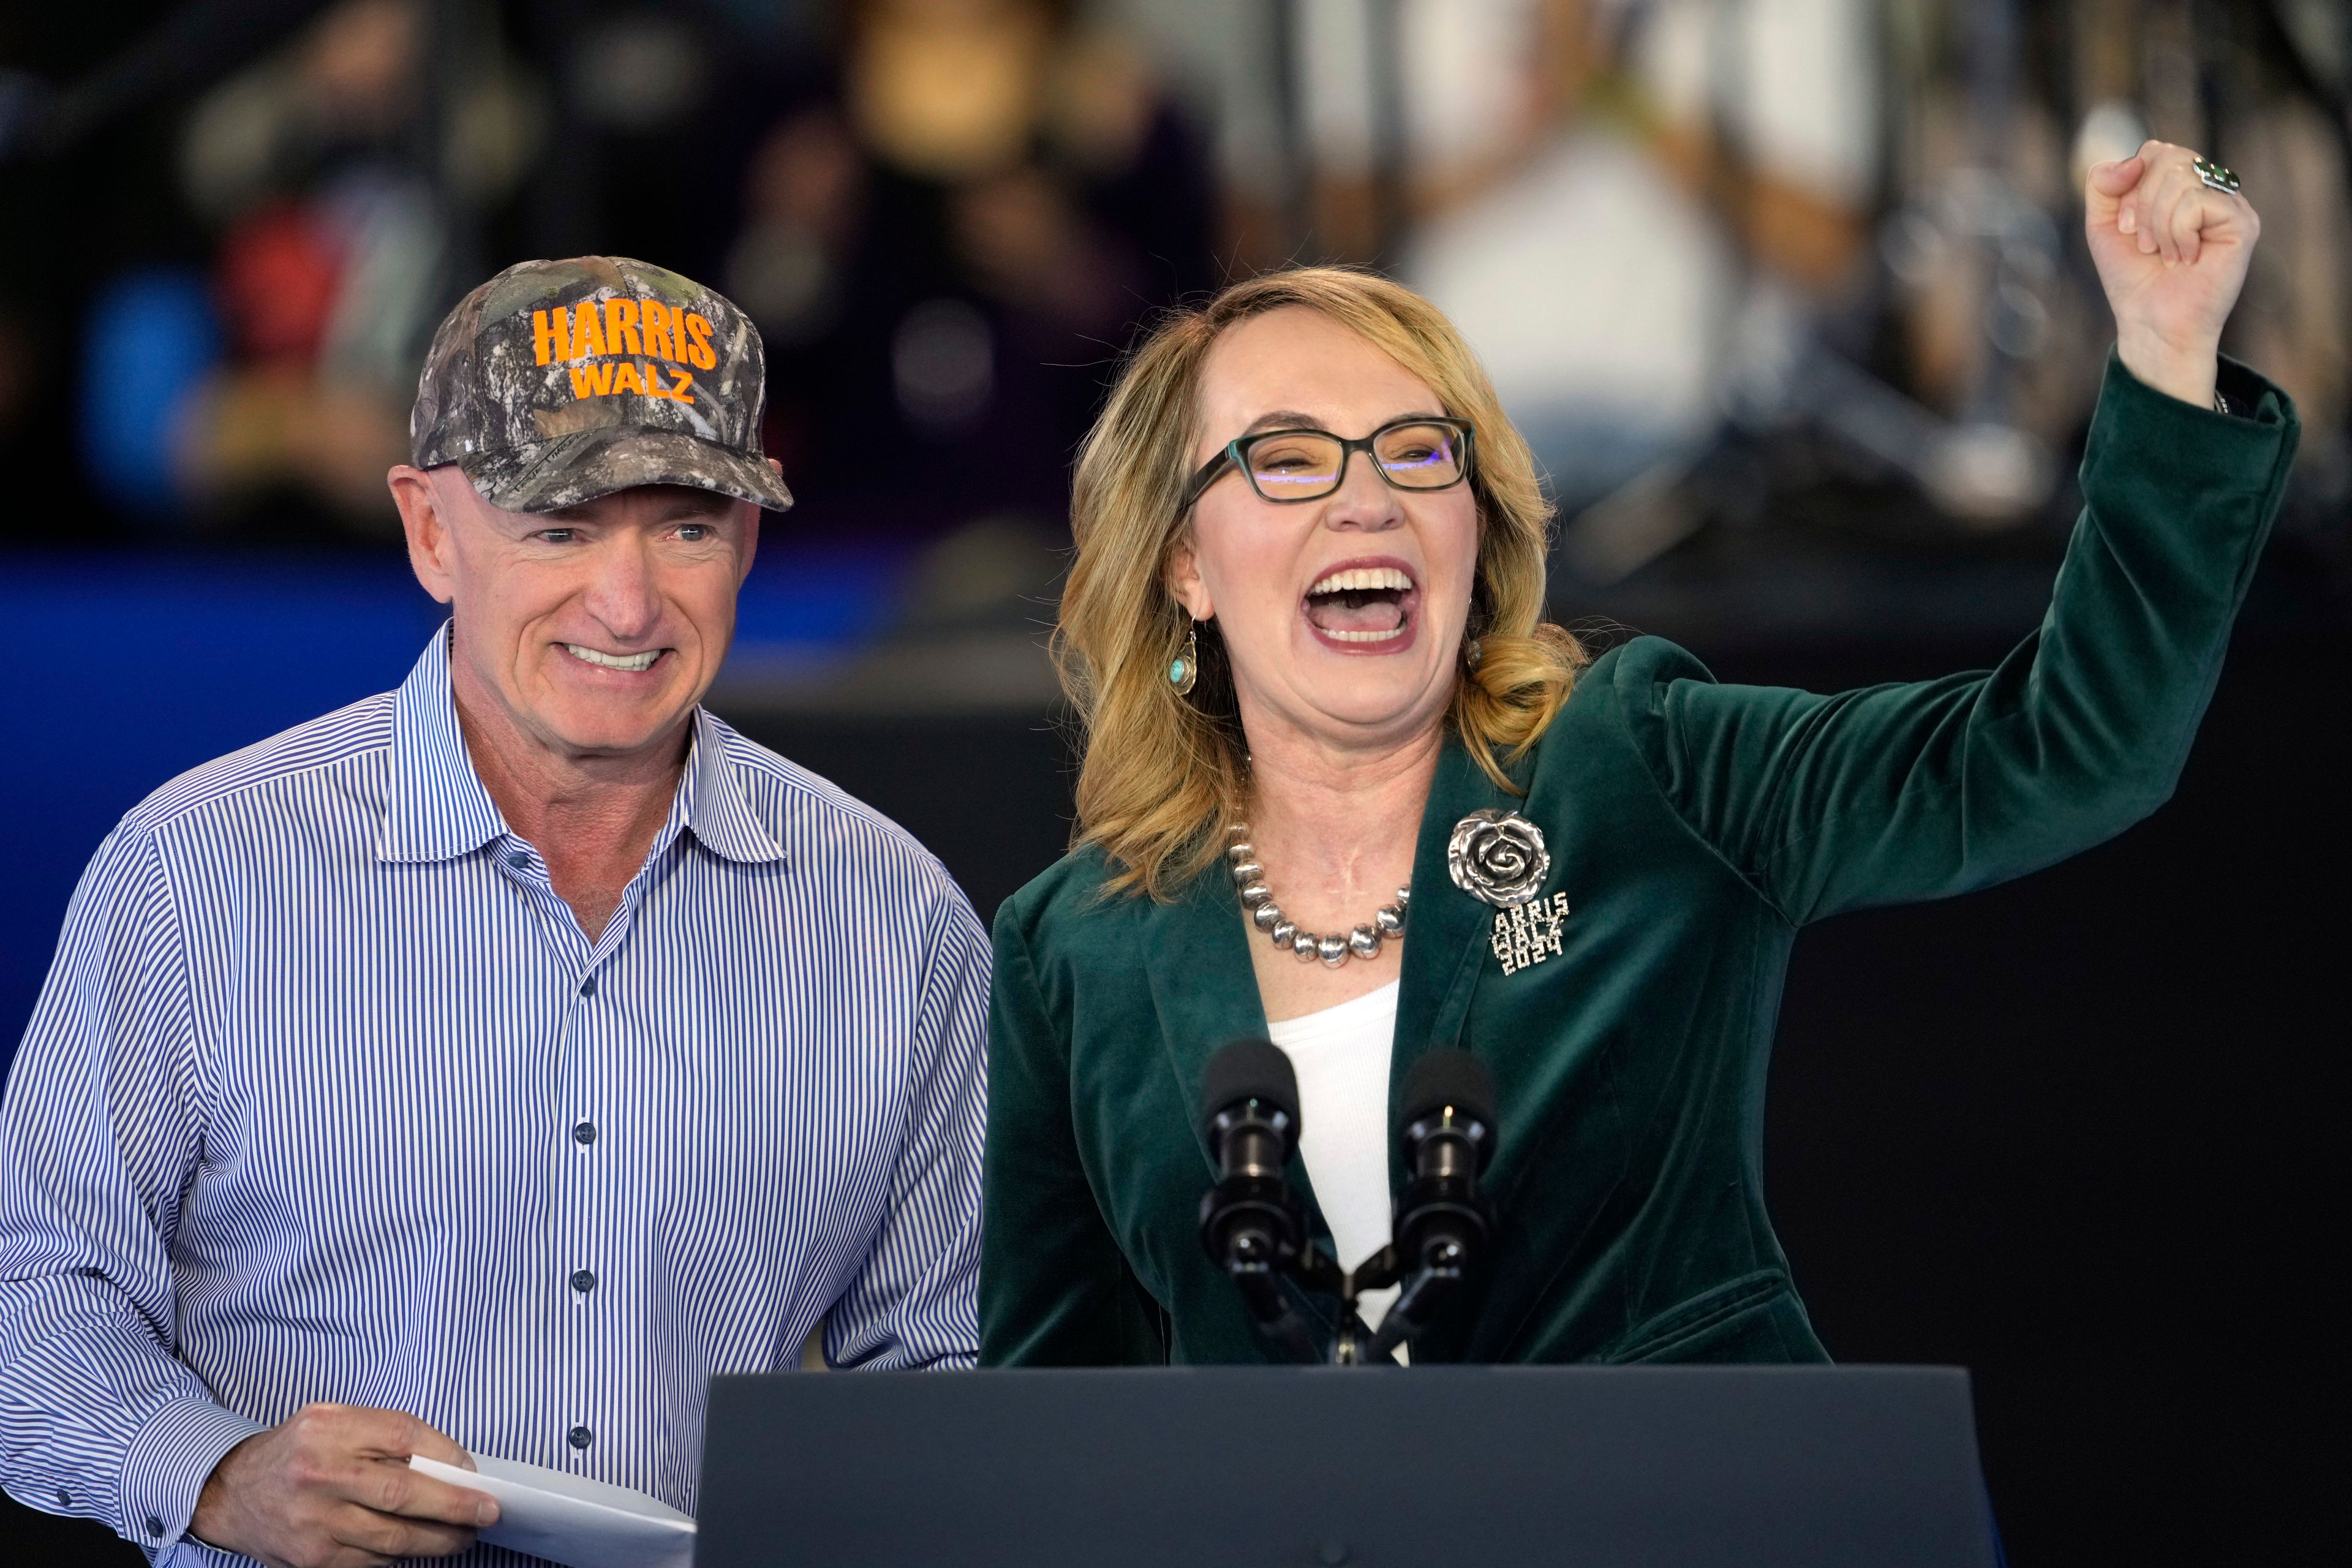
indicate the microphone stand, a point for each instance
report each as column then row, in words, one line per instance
column 1252, row 1226
column 1443, row 1267
column 1257, row 1273
column 1353, row 1347
column 1254, row 1271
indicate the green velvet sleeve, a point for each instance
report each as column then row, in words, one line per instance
column 1909, row 792
column 1055, row 1289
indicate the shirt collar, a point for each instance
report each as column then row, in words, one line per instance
column 438, row 810
column 715, row 804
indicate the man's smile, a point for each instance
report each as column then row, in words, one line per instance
column 635, row 663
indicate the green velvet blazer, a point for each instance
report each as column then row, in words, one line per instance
column 1694, row 828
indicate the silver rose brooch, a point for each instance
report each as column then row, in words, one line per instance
column 1499, row 857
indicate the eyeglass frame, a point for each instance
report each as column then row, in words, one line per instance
column 1236, row 455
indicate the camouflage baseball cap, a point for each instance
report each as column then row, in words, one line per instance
column 558, row 382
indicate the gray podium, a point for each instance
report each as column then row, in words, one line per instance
column 1317, row 1467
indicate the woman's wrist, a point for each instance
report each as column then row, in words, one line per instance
column 2189, row 375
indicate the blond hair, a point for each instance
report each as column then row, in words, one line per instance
column 1161, row 772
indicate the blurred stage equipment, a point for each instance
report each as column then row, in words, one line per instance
column 1253, row 1224
column 1981, row 469
column 194, row 45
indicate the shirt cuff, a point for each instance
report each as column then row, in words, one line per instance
column 2251, row 394
column 168, row 1463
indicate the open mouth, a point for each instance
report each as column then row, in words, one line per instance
column 1362, row 607
column 630, row 663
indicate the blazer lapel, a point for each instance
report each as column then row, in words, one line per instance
column 1446, row 930
column 1196, row 955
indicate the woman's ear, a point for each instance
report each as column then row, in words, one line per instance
column 1184, row 579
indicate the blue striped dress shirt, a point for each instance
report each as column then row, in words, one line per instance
column 329, row 1097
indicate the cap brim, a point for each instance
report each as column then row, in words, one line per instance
column 548, row 476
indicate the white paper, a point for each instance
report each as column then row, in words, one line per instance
column 572, row 1519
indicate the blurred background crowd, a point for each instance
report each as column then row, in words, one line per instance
column 1790, row 295
column 1766, row 280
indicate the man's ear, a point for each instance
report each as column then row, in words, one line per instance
column 427, row 528
column 1182, row 576
column 751, row 533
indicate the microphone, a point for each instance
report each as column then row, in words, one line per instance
column 1252, row 1226
column 1249, row 1119
column 1442, row 1220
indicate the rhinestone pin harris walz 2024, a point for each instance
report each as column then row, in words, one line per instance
column 1527, row 934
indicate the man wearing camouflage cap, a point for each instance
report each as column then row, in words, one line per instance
column 481, row 1067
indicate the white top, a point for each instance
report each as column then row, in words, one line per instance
column 1341, row 1057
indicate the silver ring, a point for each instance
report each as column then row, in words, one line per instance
column 2215, row 176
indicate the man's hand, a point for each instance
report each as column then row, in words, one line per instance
column 331, row 1488
column 2171, row 253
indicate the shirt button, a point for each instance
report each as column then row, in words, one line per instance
column 519, row 859
column 580, row 1437
column 64, row 1497
column 584, row 1134
column 583, row 1280
column 155, row 1526
column 588, row 986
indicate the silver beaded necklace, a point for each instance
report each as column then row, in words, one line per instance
column 1364, row 941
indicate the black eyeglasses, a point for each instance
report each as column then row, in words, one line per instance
column 1308, row 465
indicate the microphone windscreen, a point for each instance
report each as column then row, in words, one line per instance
column 1249, row 1069
column 1450, row 1078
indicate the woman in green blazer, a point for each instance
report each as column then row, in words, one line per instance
column 1588, row 874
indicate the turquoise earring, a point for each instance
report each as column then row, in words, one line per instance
column 1185, row 667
